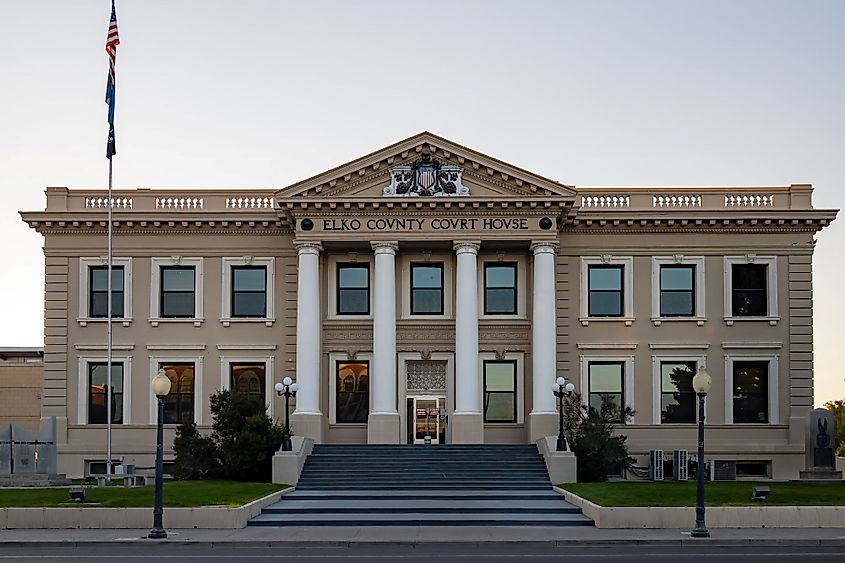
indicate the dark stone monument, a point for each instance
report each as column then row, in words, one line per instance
column 820, row 455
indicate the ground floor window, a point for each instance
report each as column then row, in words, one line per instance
column 677, row 397
column 249, row 379
column 751, row 392
column 179, row 403
column 99, row 390
column 606, row 384
column 500, row 391
column 353, row 392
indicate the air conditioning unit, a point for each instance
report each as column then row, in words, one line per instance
column 655, row 465
column 680, row 465
column 722, row 470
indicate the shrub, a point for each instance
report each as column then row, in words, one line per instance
column 591, row 438
column 838, row 409
column 197, row 456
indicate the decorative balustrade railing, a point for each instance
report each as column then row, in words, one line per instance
column 636, row 199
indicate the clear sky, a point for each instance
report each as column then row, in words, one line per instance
column 264, row 93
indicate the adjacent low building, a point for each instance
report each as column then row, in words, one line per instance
column 20, row 387
column 427, row 289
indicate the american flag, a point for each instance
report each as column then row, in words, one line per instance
column 112, row 41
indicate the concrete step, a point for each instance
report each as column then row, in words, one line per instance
column 441, row 505
column 421, row 519
column 371, row 494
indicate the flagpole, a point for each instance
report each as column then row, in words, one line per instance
column 110, row 378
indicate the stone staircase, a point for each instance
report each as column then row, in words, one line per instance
column 447, row 485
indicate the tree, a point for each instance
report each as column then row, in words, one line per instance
column 197, row 456
column 838, row 409
column 591, row 438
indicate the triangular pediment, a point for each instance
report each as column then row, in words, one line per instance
column 463, row 171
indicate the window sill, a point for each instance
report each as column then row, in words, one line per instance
column 516, row 317
column 585, row 321
column 348, row 425
column 504, row 424
column 367, row 317
column 268, row 321
column 660, row 320
column 196, row 320
column 83, row 321
column 773, row 321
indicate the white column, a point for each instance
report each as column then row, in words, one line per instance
column 308, row 329
column 544, row 328
column 383, row 375
column 467, row 378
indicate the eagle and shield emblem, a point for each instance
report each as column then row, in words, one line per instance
column 426, row 177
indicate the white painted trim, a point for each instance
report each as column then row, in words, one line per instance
column 771, row 289
column 628, row 394
column 700, row 315
column 82, row 379
column 519, row 357
column 332, row 260
column 404, row 267
column 627, row 289
column 84, row 263
column 103, row 347
column 198, row 383
column 657, row 387
column 774, row 407
column 402, row 372
column 752, row 345
column 175, row 346
column 247, row 346
column 335, row 357
column 269, row 381
column 521, row 283
column 607, row 346
column 679, row 345
column 226, row 306
column 155, row 286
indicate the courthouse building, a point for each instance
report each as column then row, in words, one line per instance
column 427, row 289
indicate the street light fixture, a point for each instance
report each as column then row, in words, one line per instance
column 561, row 388
column 287, row 389
column 701, row 383
column 161, row 387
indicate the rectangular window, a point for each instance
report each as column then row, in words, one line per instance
column 178, row 291
column 249, row 379
column 751, row 392
column 677, row 291
column 98, row 292
column 249, row 291
column 98, row 391
column 353, row 392
column 750, row 288
column 179, row 403
column 606, row 389
column 500, row 289
column 500, row 391
column 677, row 397
column 426, row 289
column 606, row 293
column 353, row 289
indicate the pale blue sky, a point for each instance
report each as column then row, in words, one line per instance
column 261, row 94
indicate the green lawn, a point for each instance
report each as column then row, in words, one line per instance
column 722, row 493
column 176, row 493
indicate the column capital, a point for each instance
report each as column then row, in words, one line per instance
column 544, row 246
column 385, row 247
column 466, row 246
column 313, row 247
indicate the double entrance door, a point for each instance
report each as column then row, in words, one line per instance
column 426, row 419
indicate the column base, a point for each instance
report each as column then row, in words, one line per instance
column 467, row 428
column 383, row 428
column 308, row 425
column 541, row 424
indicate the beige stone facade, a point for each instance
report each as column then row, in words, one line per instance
column 21, row 374
column 468, row 298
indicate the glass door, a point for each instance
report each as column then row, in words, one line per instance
column 429, row 419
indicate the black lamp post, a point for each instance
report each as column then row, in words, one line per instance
column 288, row 389
column 161, row 387
column 561, row 389
column 701, row 383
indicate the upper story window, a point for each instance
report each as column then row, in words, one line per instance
column 353, row 289
column 499, row 391
column 179, row 403
column 748, row 294
column 677, row 290
column 427, row 289
column 178, row 291
column 677, row 397
column 606, row 290
column 98, row 293
column 100, row 388
column 606, row 382
column 500, row 288
column 249, row 291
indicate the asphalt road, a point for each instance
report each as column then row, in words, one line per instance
column 428, row 553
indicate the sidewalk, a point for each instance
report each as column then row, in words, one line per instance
column 351, row 535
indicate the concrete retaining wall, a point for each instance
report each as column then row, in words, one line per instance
column 717, row 516
column 114, row 518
